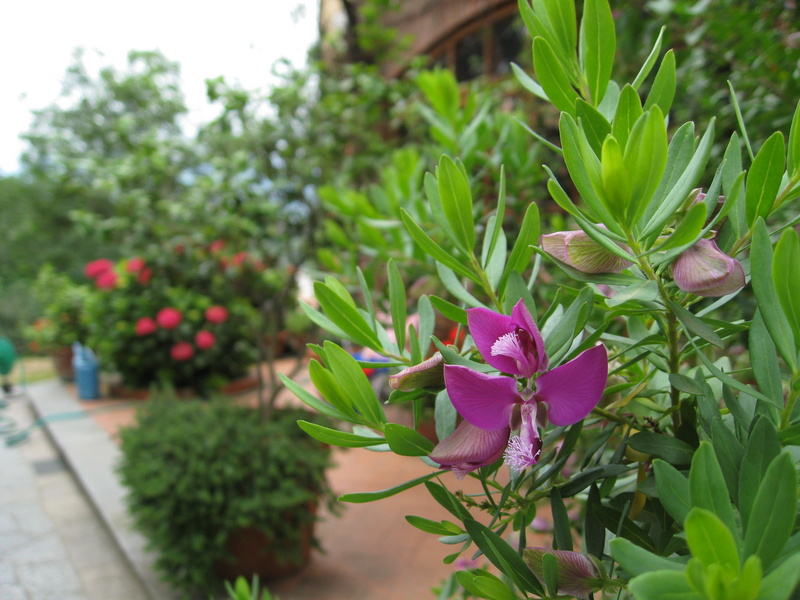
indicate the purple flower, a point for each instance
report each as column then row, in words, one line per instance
column 579, row 251
column 705, row 270
column 495, row 405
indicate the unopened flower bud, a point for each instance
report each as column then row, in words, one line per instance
column 581, row 252
column 705, row 270
column 578, row 574
column 428, row 373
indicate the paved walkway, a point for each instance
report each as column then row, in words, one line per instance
column 52, row 544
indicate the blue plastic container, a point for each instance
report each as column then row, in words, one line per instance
column 86, row 376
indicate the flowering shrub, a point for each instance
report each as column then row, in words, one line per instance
column 626, row 400
column 186, row 316
column 62, row 321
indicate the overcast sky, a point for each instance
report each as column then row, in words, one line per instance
column 239, row 39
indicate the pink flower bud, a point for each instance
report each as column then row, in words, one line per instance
column 579, row 251
column 705, row 270
column 134, row 265
column 107, row 280
column 145, row 326
column 169, row 318
column 182, row 351
column 578, row 574
column 427, row 373
column 204, row 339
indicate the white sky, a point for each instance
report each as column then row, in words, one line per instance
column 239, row 39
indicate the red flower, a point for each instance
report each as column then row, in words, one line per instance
column 145, row 326
column 169, row 318
column 97, row 267
column 182, row 351
column 216, row 246
column 135, row 265
column 204, row 339
column 239, row 258
column 107, row 280
column 216, row 314
column 144, row 276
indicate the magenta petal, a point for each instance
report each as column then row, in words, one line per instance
column 469, row 448
column 483, row 400
column 572, row 390
column 521, row 317
column 486, row 327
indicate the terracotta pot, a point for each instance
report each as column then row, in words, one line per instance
column 252, row 552
column 62, row 362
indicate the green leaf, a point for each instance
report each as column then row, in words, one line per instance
column 563, row 24
column 594, row 124
column 433, row 249
column 764, row 178
column 707, row 486
column 761, row 261
column 773, row 514
column 552, row 76
column 782, row 582
column 332, row 391
column 764, row 361
column 446, row 499
column 786, row 277
column 730, row 453
column 628, row 112
column 673, row 490
column 663, row 90
column 346, row 369
column 615, row 522
column 456, row 198
column 650, row 61
column 688, row 229
column 314, row 402
column 686, row 384
column 562, row 532
column 346, row 318
column 493, row 588
column 434, row 527
column 597, row 47
column 397, row 303
column 405, row 441
column 495, row 230
column 528, row 82
column 573, row 320
column 550, row 574
column 710, row 540
column 645, row 159
column 584, row 479
column 342, row 439
column 362, row 497
column 636, row 560
column 663, row 585
column 616, row 179
column 662, row 446
column 454, row 286
column 695, row 325
column 793, row 160
column 521, row 253
column 790, row 436
column 503, row 556
column 449, row 310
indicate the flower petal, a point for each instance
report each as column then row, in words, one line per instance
column 427, row 373
column 705, row 270
column 469, row 448
column 577, row 573
column 572, row 390
column 521, row 317
column 486, row 327
column 483, row 400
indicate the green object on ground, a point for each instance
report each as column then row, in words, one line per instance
column 7, row 356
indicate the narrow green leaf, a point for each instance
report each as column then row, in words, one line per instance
column 434, row 527
column 595, row 125
column 563, row 23
column 707, row 486
column 521, row 253
column 334, row 437
column 673, row 490
column 663, row 585
column 730, row 453
column 503, row 556
column 764, row 178
column 550, row 573
column 447, row 500
column 528, row 82
column 617, row 190
column 764, row 361
column 686, row 384
column 491, row 587
column 629, row 530
column 312, row 401
column 761, row 261
column 397, row 303
column 454, row 286
column 781, row 583
column 649, row 61
column 562, row 532
column 629, row 109
column 346, row 369
column 433, row 249
column 679, row 156
column 571, row 322
column 786, row 277
column 665, row 447
column 790, row 436
column 597, row 47
column 346, row 318
column 449, row 310
column 456, row 197
column 552, row 76
column 793, row 160
column 332, row 391
column 689, row 227
column 494, row 232
column 636, row 560
column 663, row 90
column 406, row 441
column 695, row 325
column 645, row 159
column 772, row 517
column 362, row 497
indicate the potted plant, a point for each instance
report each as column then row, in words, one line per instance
column 61, row 322
column 207, row 480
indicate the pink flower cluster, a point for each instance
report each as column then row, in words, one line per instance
column 169, row 318
column 105, row 277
